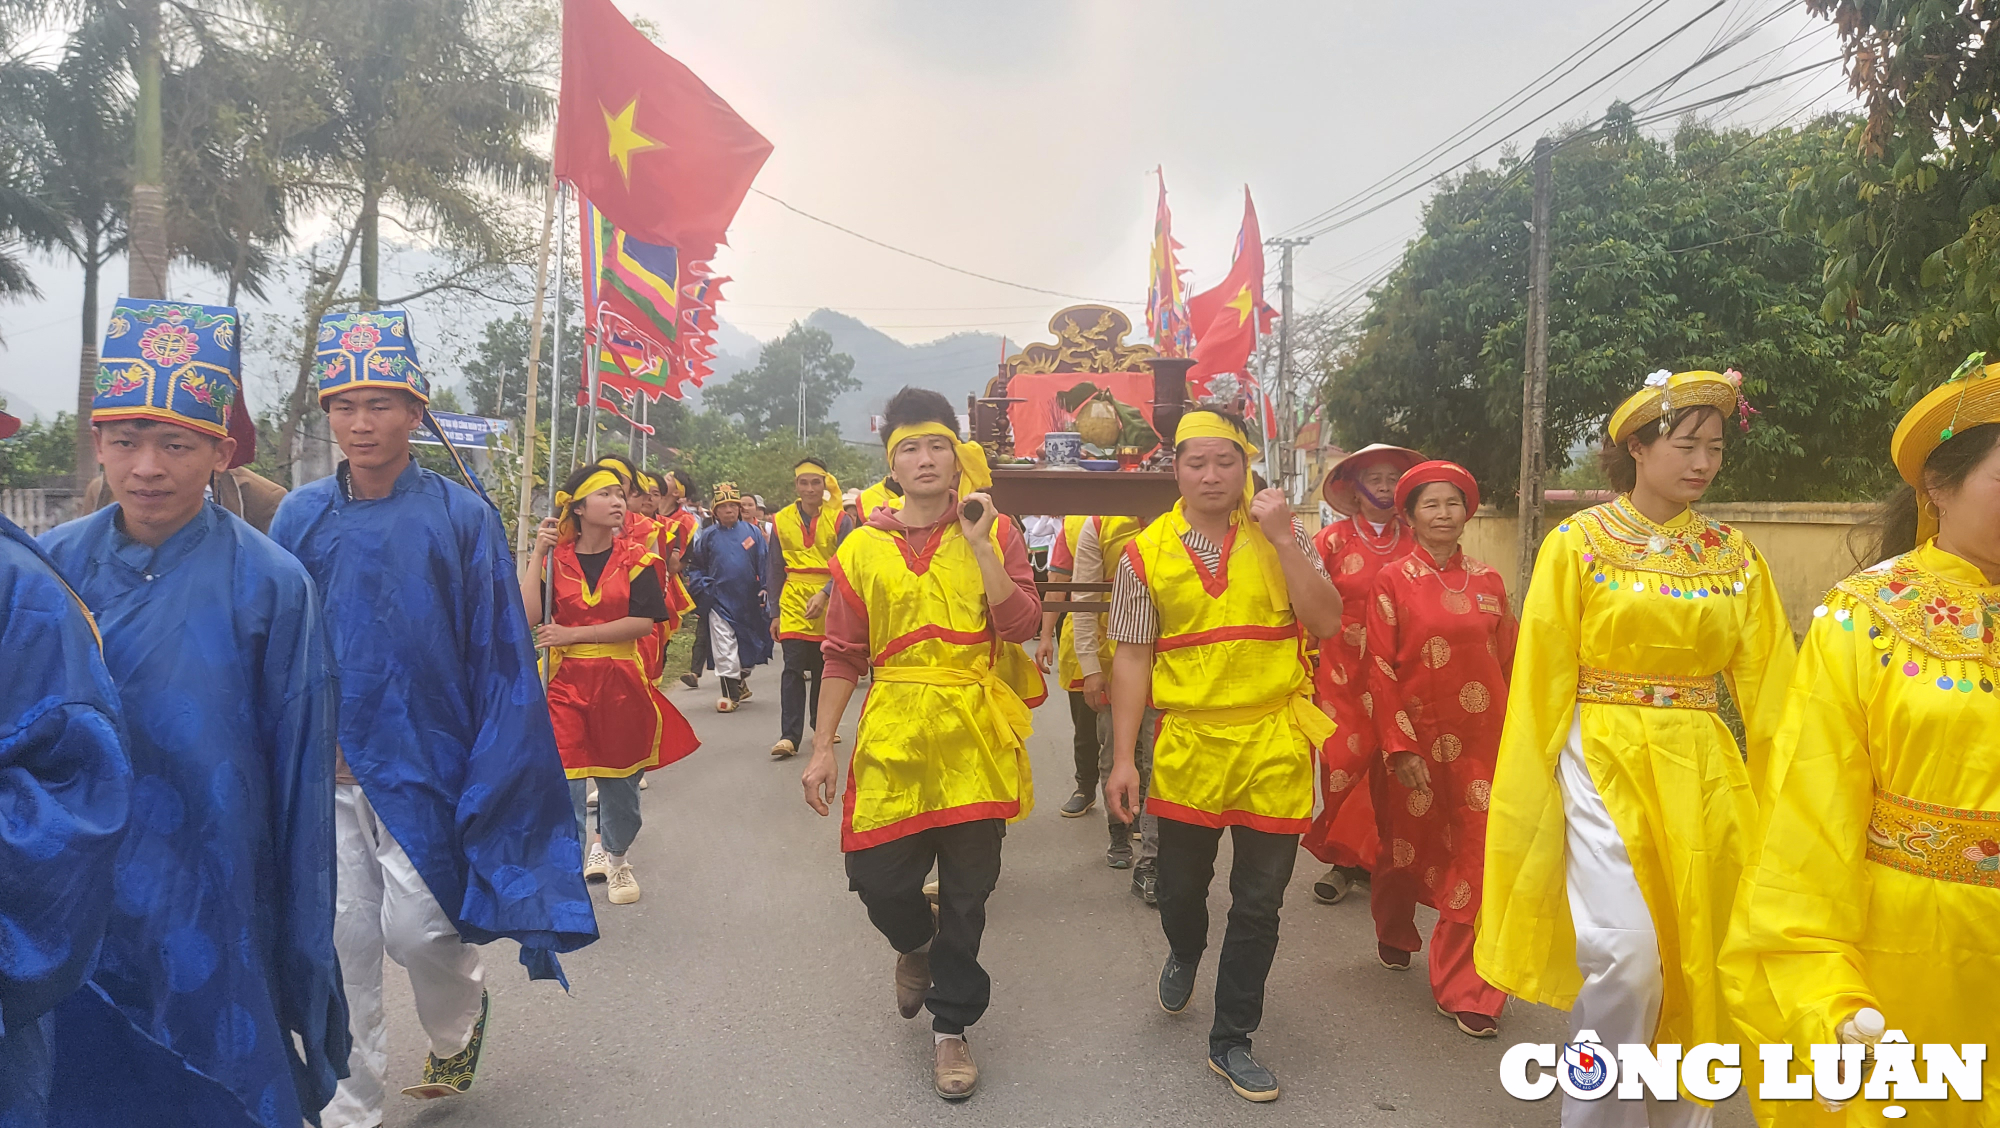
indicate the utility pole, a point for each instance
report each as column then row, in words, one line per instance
column 1282, row 460
column 1535, row 381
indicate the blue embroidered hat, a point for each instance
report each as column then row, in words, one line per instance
column 369, row 349
column 173, row 361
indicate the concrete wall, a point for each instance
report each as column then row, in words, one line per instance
column 1807, row 543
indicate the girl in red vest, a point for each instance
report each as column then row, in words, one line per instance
column 612, row 724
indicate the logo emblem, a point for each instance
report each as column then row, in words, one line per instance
column 1587, row 1069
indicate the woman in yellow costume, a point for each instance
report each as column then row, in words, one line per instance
column 1622, row 809
column 933, row 598
column 1210, row 610
column 1878, row 884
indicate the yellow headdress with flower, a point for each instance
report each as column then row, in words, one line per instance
column 1968, row 398
column 1666, row 393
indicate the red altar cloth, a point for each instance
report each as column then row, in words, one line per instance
column 1040, row 413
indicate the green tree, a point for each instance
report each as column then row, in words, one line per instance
column 40, row 451
column 84, row 120
column 1910, row 209
column 1663, row 255
column 766, row 396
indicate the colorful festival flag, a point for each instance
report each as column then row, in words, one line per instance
column 1166, row 298
column 631, row 307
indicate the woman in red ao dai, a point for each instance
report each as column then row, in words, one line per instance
column 1440, row 652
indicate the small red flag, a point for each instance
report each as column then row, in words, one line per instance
column 1246, row 268
column 659, row 153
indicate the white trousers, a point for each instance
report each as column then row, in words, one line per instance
column 383, row 905
column 1616, row 949
column 722, row 645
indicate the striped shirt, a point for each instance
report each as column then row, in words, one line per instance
column 1134, row 618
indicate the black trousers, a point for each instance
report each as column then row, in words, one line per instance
column 1084, row 718
column 798, row 707
column 1261, row 868
column 704, row 650
column 890, row 879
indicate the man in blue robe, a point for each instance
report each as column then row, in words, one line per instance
column 725, row 573
column 65, row 786
column 220, row 940
column 453, row 812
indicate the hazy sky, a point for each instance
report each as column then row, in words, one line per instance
column 1017, row 139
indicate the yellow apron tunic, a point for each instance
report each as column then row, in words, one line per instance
column 875, row 497
column 1879, row 879
column 1625, row 627
column 1238, row 728
column 943, row 735
column 808, row 553
column 1113, row 534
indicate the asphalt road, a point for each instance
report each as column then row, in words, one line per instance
column 746, row 987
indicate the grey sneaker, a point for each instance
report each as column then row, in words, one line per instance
column 1146, row 885
column 1119, row 855
column 1251, row 1081
column 1080, row 802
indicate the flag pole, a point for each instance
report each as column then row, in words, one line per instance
column 527, row 448
column 556, row 364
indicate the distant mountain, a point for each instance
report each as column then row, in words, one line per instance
column 954, row 365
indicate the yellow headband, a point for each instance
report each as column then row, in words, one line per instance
column 602, row 479
column 973, row 474
column 1209, row 425
column 815, row 466
column 647, row 482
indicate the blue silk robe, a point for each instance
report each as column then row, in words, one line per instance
column 726, row 576
column 65, row 786
column 442, row 716
column 220, row 943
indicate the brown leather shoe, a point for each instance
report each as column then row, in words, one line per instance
column 913, row 981
column 954, row 1072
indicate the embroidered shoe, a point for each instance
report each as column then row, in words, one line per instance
column 621, row 888
column 454, row 1074
column 1176, row 985
column 1251, row 1081
column 597, row 867
column 1473, row 1023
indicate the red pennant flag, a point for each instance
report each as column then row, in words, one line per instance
column 1228, row 318
column 655, row 149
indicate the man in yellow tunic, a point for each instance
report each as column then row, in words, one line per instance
column 1878, row 884
column 805, row 533
column 1209, row 610
column 1622, row 809
column 936, row 597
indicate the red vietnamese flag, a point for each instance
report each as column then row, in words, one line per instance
column 1246, row 268
column 643, row 139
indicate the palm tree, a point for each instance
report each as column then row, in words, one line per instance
column 84, row 117
column 430, row 105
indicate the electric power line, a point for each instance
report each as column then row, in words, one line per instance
column 937, row 263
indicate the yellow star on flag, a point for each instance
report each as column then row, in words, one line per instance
column 1241, row 304
column 624, row 140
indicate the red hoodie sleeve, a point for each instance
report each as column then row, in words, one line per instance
column 846, row 646
column 1017, row 618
